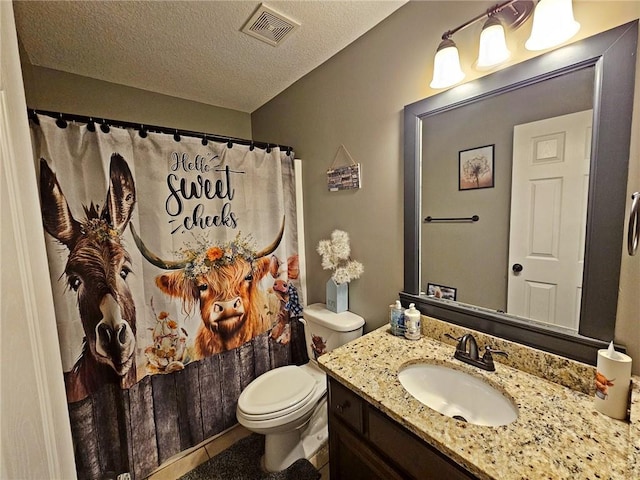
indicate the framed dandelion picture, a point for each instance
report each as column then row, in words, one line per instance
column 476, row 168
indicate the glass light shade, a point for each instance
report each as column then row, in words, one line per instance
column 446, row 66
column 553, row 24
column 493, row 45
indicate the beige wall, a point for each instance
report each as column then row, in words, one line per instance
column 628, row 319
column 356, row 99
column 58, row 91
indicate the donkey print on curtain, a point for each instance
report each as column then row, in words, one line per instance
column 175, row 274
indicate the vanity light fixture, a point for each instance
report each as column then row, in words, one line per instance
column 553, row 24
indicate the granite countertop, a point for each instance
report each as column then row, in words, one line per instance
column 557, row 435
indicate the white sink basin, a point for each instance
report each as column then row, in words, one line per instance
column 457, row 394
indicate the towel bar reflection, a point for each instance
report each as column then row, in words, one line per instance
column 474, row 218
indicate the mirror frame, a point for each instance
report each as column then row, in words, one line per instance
column 613, row 54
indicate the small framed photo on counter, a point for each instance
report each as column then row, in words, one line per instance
column 441, row 291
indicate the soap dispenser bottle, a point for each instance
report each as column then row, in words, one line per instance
column 412, row 323
column 396, row 313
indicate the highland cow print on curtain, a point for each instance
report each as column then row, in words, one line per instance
column 175, row 274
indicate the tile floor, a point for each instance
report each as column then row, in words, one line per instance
column 188, row 460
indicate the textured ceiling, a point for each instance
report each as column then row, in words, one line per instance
column 191, row 49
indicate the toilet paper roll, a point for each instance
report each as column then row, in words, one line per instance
column 613, row 378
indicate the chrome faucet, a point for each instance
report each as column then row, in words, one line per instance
column 467, row 352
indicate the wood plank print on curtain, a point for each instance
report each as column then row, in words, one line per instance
column 174, row 269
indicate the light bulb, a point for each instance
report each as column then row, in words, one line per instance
column 553, row 24
column 493, row 45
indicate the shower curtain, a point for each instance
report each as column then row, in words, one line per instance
column 175, row 274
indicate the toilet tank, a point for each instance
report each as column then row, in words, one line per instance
column 325, row 330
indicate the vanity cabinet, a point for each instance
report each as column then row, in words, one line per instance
column 365, row 444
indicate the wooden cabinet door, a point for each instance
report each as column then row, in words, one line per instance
column 365, row 444
column 350, row 458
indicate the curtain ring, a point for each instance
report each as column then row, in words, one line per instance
column 204, row 140
column 143, row 131
column 105, row 126
column 33, row 116
column 91, row 125
column 251, row 147
column 176, row 136
column 61, row 122
column 268, row 150
column 229, row 144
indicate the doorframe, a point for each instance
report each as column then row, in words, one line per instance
column 36, row 435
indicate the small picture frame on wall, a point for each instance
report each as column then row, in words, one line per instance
column 475, row 168
column 346, row 177
column 343, row 178
column 441, row 291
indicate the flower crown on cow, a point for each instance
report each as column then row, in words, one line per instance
column 204, row 256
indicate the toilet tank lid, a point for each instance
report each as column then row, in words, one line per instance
column 340, row 322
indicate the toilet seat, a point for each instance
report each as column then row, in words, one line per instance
column 276, row 393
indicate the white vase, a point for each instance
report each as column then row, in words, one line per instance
column 337, row 296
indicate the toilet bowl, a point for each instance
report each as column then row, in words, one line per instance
column 288, row 404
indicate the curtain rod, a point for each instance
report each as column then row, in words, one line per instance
column 143, row 129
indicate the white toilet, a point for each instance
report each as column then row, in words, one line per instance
column 288, row 404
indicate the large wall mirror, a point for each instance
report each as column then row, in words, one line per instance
column 509, row 176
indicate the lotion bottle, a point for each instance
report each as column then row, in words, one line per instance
column 412, row 323
column 397, row 319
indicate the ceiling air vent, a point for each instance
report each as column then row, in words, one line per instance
column 269, row 26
